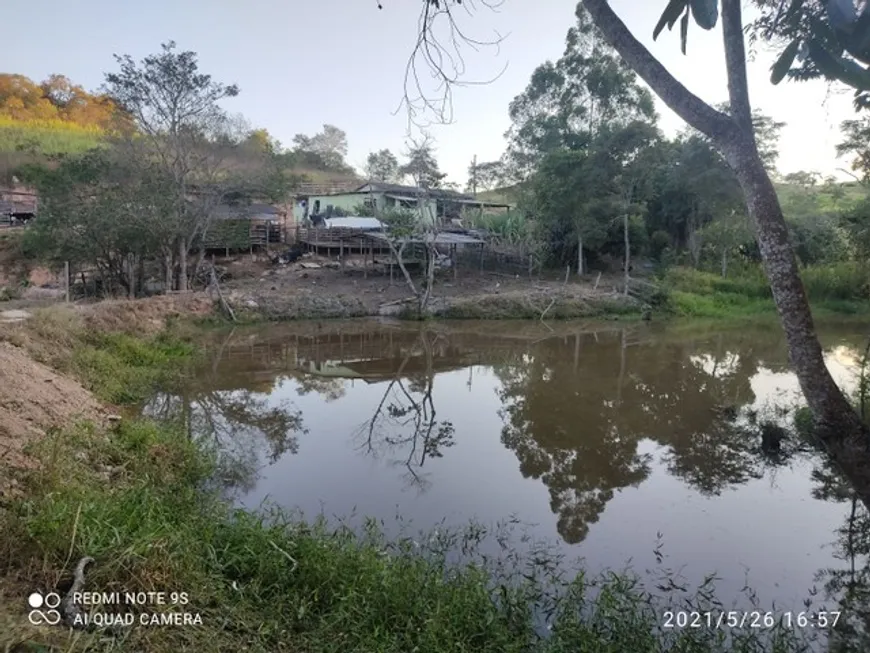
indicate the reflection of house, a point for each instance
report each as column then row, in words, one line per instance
column 378, row 196
column 378, row 370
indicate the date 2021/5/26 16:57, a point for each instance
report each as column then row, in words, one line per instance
column 749, row 619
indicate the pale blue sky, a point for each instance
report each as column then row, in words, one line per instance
column 303, row 63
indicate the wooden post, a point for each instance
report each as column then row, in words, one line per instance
column 482, row 245
column 341, row 252
column 66, row 279
column 365, row 254
column 453, row 262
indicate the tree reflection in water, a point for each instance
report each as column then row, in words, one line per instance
column 589, row 413
column 234, row 417
column 404, row 425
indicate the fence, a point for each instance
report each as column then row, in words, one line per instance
column 499, row 259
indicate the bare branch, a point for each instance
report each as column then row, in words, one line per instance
column 439, row 48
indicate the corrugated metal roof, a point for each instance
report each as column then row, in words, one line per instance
column 352, row 222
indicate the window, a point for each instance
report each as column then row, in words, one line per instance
column 316, row 206
column 370, row 203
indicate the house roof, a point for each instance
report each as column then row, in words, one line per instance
column 354, row 222
column 252, row 211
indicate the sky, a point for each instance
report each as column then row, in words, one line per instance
column 303, row 63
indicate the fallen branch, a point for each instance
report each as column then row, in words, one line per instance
column 549, row 306
column 223, row 302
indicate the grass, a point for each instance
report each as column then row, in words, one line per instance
column 840, row 289
column 118, row 367
column 47, row 137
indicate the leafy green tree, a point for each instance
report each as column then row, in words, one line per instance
column 856, row 144
column 421, row 165
column 326, row 149
column 485, row 175
column 734, row 135
column 568, row 101
column 101, row 210
column 176, row 111
column 382, row 166
column 572, row 205
column 827, row 39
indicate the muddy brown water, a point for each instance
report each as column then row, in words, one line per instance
column 631, row 444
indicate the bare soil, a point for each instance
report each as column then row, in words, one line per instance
column 319, row 288
column 35, row 399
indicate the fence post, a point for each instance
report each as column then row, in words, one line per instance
column 66, row 279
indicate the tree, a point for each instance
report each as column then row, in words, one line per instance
column 176, row 110
column 856, row 144
column 261, row 141
column 632, row 156
column 382, row 166
column 485, row 176
column 328, row 148
column 734, row 136
column 421, row 165
column 845, row 436
column 573, row 202
column 567, row 102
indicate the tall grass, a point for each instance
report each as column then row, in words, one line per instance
column 837, row 287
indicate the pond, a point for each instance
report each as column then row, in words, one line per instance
column 638, row 444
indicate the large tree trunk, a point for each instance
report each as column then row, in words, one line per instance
column 824, row 397
column 579, row 255
column 840, row 428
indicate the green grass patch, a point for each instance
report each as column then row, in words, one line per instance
column 836, row 289
column 122, row 369
column 48, row 137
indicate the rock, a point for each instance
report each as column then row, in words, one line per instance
column 250, row 303
column 113, row 419
column 310, row 266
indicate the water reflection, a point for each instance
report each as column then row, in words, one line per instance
column 405, row 424
column 603, row 436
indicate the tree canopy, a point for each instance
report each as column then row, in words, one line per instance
column 568, row 101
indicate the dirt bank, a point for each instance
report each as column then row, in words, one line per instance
column 318, row 288
column 36, row 399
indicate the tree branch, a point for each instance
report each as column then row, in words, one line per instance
column 684, row 103
column 735, row 63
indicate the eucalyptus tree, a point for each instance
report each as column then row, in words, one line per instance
column 567, row 102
